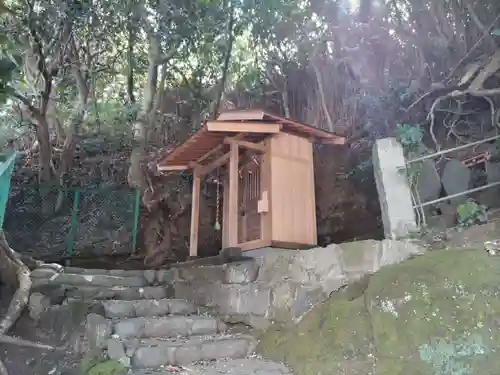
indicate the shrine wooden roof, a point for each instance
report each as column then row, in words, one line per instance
column 248, row 125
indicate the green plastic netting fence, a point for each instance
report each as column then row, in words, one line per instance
column 6, row 168
column 48, row 222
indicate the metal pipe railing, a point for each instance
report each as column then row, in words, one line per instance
column 457, row 195
column 447, row 151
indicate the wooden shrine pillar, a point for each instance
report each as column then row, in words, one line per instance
column 195, row 214
column 232, row 209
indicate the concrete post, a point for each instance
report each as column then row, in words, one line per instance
column 394, row 193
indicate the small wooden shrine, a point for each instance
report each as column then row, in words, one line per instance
column 265, row 168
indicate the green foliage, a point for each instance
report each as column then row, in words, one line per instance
column 108, row 368
column 470, row 213
column 98, row 365
column 410, row 136
column 363, row 171
column 89, row 361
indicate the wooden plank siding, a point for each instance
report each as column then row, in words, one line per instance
column 292, row 183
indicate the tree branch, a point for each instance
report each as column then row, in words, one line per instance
column 486, row 33
column 227, row 59
column 169, row 55
column 34, row 111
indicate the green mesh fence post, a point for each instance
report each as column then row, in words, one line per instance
column 137, row 209
column 74, row 223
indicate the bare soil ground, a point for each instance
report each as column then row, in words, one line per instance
column 32, row 361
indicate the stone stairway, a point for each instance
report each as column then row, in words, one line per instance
column 135, row 318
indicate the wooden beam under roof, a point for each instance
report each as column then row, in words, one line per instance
column 215, row 164
column 172, row 168
column 246, row 144
column 243, row 127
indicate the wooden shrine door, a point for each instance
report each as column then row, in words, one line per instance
column 249, row 191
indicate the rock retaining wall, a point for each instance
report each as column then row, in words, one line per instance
column 282, row 285
column 272, row 285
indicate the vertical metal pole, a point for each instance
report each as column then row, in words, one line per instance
column 137, row 209
column 74, row 224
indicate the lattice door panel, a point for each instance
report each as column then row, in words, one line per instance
column 250, row 194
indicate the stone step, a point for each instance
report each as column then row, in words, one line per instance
column 239, row 366
column 98, row 271
column 154, row 353
column 167, row 326
column 91, row 280
column 163, row 276
column 87, row 293
column 148, row 307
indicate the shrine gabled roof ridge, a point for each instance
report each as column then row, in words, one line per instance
column 255, row 122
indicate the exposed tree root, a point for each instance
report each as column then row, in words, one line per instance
column 4, row 339
column 3, row 370
column 15, row 271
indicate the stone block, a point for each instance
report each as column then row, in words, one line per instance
column 38, row 304
column 130, row 328
column 151, row 307
column 291, row 301
column 67, row 321
column 148, row 307
column 208, row 273
column 187, row 353
column 229, row 348
column 168, row 276
column 90, row 293
column 456, row 179
column 241, row 272
column 85, row 271
column 157, row 353
column 126, row 273
column 428, row 182
column 181, row 307
column 98, row 280
column 150, row 276
column 56, row 293
column 254, row 321
column 393, row 252
column 116, row 352
column 239, row 299
column 360, row 258
column 98, row 330
column 118, row 292
column 154, row 356
column 171, row 326
column 119, row 309
column 318, row 266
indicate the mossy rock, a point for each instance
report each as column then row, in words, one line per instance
column 438, row 314
column 98, row 365
column 108, row 368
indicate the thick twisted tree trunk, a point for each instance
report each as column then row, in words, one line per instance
column 14, row 271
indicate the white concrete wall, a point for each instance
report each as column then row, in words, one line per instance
column 398, row 215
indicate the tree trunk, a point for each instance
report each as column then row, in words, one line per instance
column 142, row 126
column 15, row 270
column 45, row 158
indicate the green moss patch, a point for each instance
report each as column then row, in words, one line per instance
column 98, row 365
column 438, row 314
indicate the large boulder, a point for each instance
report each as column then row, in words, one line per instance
column 438, row 314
